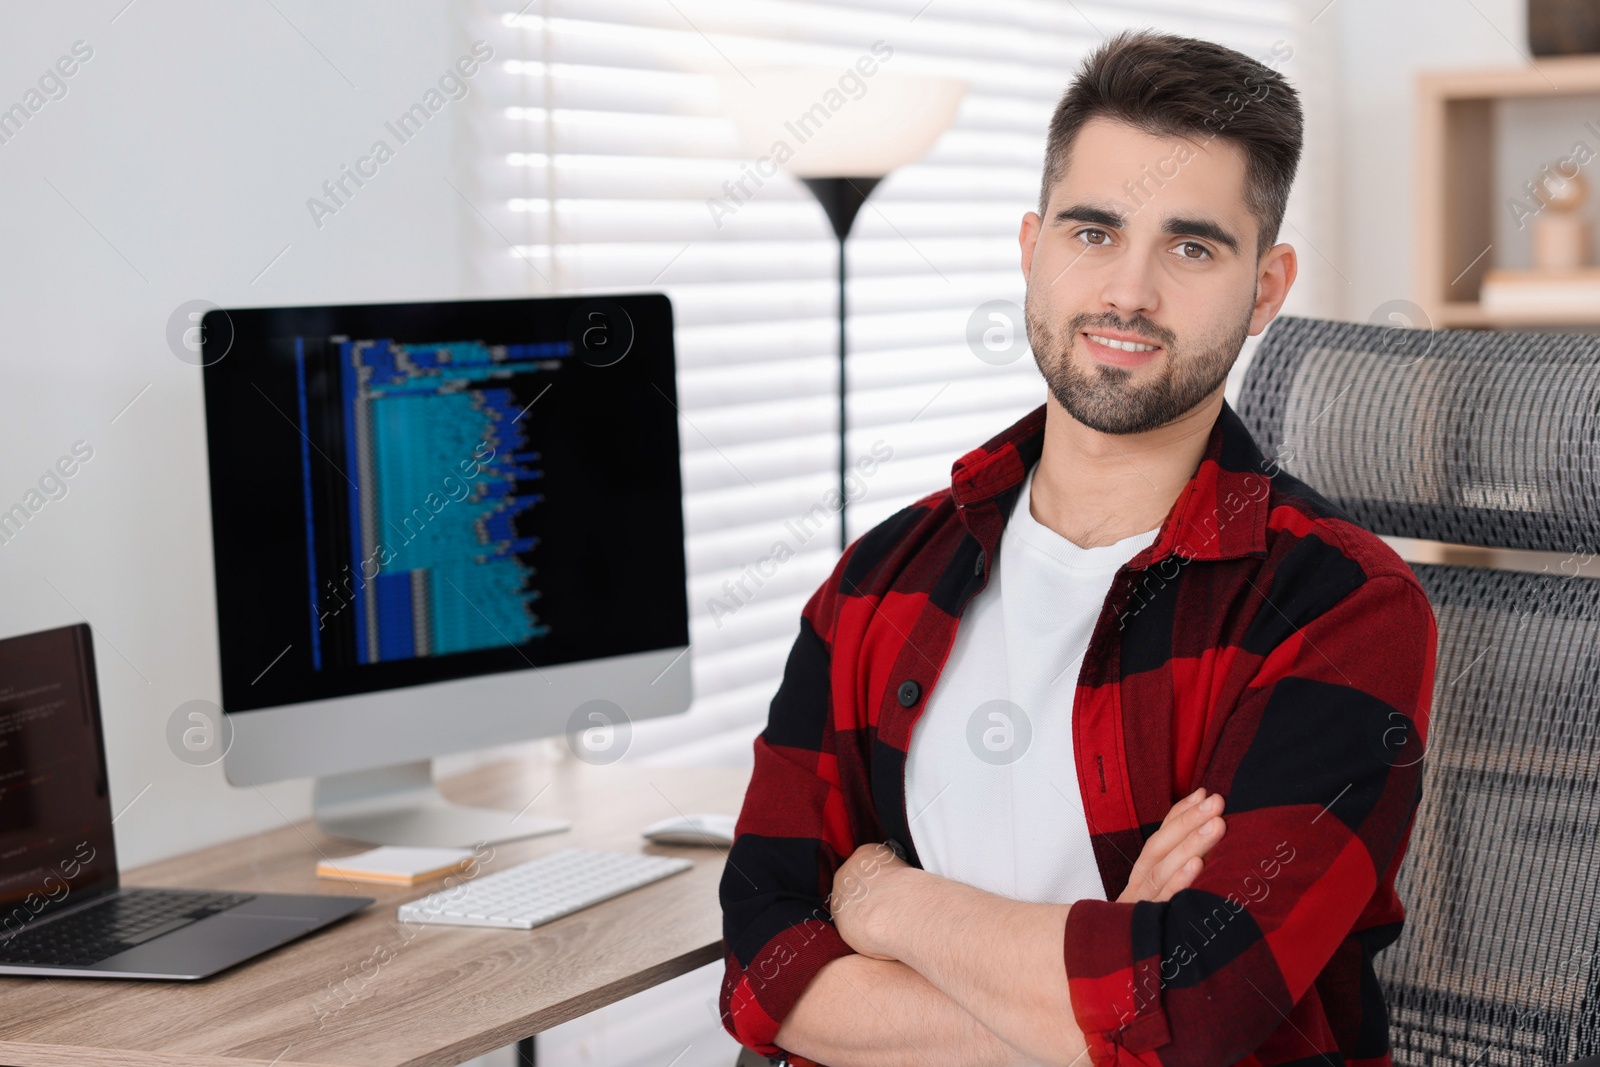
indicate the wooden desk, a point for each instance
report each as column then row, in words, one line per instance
column 417, row 996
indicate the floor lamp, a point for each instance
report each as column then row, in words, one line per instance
column 840, row 134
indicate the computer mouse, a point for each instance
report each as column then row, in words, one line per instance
column 698, row 829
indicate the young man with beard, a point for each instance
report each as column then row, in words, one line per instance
column 1132, row 617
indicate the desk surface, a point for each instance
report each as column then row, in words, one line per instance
column 370, row 991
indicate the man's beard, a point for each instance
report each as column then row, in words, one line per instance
column 1103, row 397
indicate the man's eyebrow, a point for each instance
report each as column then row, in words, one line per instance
column 1204, row 228
column 1089, row 213
column 1180, row 226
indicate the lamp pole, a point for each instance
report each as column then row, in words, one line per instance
column 894, row 124
column 842, row 198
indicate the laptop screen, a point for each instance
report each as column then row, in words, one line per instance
column 56, row 846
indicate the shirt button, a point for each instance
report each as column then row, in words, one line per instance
column 977, row 564
column 909, row 692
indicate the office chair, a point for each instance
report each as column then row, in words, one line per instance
column 1489, row 439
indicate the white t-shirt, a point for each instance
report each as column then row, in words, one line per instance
column 991, row 793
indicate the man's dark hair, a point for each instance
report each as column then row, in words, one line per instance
column 1172, row 86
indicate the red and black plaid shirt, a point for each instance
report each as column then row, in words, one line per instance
column 1263, row 646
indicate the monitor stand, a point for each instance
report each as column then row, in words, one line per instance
column 400, row 805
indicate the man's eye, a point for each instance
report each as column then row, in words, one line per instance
column 1088, row 232
column 1204, row 252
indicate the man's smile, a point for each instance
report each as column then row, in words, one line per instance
column 1119, row 348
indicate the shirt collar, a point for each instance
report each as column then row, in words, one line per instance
column 1221, row 512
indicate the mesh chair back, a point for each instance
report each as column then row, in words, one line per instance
column 1479, row 438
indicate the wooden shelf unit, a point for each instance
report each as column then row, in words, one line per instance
column 1454, row 212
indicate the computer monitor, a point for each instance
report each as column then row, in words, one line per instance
column 440, row 527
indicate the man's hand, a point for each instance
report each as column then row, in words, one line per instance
column 1171, row 859
column 857, row 901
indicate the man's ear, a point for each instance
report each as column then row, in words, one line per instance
column 1028, row 238
column 1274, row 279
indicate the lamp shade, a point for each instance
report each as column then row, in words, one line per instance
column 828, row 122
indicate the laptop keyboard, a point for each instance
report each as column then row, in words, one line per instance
column 131, row 918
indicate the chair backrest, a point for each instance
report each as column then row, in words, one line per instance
column 1490, row 439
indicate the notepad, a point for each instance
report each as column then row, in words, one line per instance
column 394, row 865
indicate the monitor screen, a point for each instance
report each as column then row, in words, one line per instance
column 411, row 493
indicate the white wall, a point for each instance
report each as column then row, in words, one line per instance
column 1381, row 45
column 177, row 167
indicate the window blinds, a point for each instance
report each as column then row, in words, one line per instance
column 598, row 158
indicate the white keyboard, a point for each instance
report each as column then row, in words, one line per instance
column 542, row 889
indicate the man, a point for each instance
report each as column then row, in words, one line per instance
column 1132, row 617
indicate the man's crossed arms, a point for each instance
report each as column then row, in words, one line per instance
column 945, row 973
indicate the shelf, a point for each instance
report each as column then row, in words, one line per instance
column 1454, row 192
column 1552, row 76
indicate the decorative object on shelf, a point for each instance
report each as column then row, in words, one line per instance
column 1561, row 278
column 1560, row 232
column 1563, row 27
column 840, row 131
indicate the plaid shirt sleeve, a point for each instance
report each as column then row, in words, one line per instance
column 792, row 834
column 1320, row 763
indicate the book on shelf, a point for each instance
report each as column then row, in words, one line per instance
column 1565, row 292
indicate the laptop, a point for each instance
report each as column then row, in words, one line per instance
column 62, row 911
